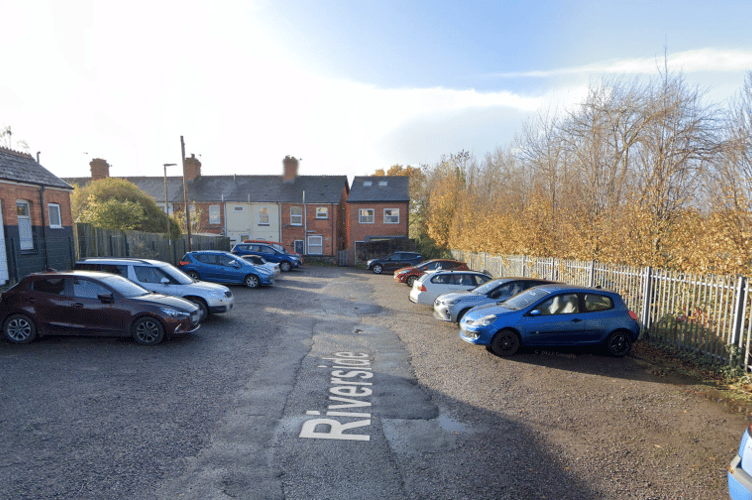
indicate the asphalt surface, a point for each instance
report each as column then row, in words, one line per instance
column 274, row 400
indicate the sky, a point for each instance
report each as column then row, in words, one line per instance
column 347, row 86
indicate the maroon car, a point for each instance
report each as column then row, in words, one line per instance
column 92, row 303
column 408, row 275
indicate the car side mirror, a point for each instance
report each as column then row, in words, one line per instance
column 165, row 281
column 535, row 312
column 106, row 298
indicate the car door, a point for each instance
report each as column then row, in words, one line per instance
column 230, row 268
column 555, row 321
column 153, row 279
column 48, row 300
column 597, row 316
column 94, row 309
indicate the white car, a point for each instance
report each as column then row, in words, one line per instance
column 161, row 277
column 261, row 262
column 431, row 285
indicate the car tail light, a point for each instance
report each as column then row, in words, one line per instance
column 183, row 263
column 633, row 315
column 422, row 288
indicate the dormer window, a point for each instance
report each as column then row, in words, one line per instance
column 367, row 183
column 382, row 183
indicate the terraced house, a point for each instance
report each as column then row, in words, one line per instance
column 36, row 231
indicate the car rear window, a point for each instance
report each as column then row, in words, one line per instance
column 595, row 302
column 53, row 286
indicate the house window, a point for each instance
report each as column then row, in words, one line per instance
column 214, row 217
column 322, row 212
column 315, row 245
column 296, row 216
column 367, row 183
column 192, row 210
column 264, row 216
column 25, row 238
column 244, row 237
column 383, row 183
column 53, row 209
column 391, row 216
column 366, row 216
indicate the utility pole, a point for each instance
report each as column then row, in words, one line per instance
column 185, row 195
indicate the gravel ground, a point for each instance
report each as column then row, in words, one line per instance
column 610, row 423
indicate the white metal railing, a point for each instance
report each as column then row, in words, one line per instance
column 708, row 314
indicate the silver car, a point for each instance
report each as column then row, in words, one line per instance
column 161, row 277
column 452, row 306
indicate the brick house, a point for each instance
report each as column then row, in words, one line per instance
column 37, row 228
column 377, row 207
column 304, row 213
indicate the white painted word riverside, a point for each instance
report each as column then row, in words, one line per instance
column 349, row 370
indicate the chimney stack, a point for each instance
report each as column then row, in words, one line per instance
column 100, row 169
column 290, row 164
column 192, row 168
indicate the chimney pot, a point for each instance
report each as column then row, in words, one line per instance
column 100, row 169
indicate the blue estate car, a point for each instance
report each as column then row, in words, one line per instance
column 553, row 315
column 452, row 306
column 739, row 479
column 286, row 261
column 224, row 267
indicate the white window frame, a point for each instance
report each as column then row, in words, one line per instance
column 52, row 208
column 391, row 216
column 215, row 216
column 322, row 212
column 299, row 216
column 313, row 247
column 25, row 234
column 263, row 216
column 364, row 220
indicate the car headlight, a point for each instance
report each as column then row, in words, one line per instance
column 484, row 321
column 174, row 313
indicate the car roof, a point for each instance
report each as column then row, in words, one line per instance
column 122, row 260
column 89, row 274
column 563, row 287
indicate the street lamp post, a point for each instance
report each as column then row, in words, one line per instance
column 166, row 207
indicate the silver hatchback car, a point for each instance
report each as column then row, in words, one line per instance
column 452, row 306
column 161, row 277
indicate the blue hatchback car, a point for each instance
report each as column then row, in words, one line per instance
column 224, row 267
column 553, row 315
column 286, row 261
column 739, row 478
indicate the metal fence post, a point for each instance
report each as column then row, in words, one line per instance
column 591, row 280
column 647, row 292
column 740, row 304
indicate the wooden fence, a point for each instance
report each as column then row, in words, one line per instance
column 706, row 314
column 97, row 242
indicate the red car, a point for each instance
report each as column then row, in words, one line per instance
column 408, row 275
column 92, row 303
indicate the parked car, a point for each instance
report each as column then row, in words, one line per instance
column 740, row 469
column 224, row 267
column 92, row 303
column 409, row 274
column 431, row 285
column 161, row 277
column 395, row 261
column 553, row 315
column 286, row 261
column 452, row 306
column 277, row 246
column 259, row 261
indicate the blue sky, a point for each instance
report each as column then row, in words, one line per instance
column 348, row 86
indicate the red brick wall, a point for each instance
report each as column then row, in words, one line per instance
column 326, row 228
column 358, row 231
column 9, row 193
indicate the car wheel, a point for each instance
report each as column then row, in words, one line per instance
column 411, row 280
column 148, row 331
column 619, row 344
column 505, row 343
column 203, row 309
column 251, row 281
column 461, row 314
column 19, row 329
column 193, row 275
column 377, row 269
column 285, row 266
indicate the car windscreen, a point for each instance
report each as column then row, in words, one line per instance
column 487, row 287
column 525, row 299
column 124, row 287
column 176, row 274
